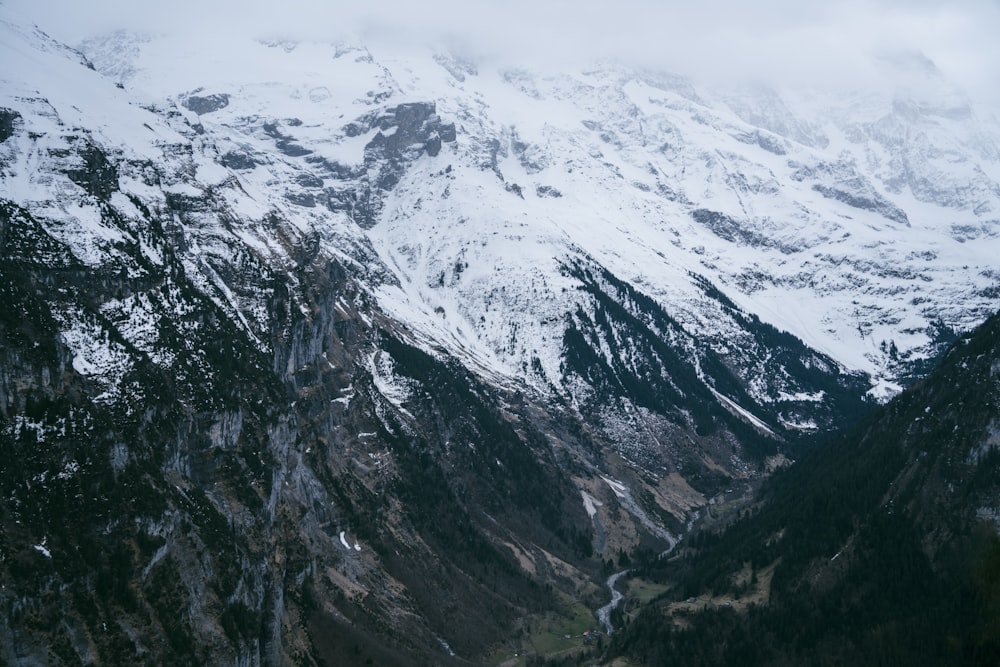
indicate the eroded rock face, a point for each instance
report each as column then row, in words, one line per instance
column 408, row 125
column 8, row 118
column 96, row 175
column 238, row 161
column 405, row 132
column 205, row 104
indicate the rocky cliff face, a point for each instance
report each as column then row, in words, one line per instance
column 387, row 361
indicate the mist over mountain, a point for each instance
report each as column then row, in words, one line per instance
column 322, row 343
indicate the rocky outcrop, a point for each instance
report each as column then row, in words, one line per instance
column 404, row 133
column 94, row 172
column 8, row 118
column 205, row 104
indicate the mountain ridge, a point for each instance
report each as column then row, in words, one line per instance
column 902, row 566
column 346, row 355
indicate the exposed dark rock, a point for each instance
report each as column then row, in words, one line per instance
column 355, row 129
column 489, row 152
column 875, row 203
column 97, row 175
column 849, row 187
column 235, row 160
column 8, row 118
column 306, row 199
column 770, row 143
column 668, row 192
column 433, row 145
column 292, row 150
column 967, row 232
column 737, row 231
column 378, row 97
column 206, row 104
column 447, row 132
column 405, row 132
column 339, row 201
column 183, row 204
column 285, row 143
column 404, row 126
column 307, row 180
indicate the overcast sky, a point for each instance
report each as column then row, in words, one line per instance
column 780, row 40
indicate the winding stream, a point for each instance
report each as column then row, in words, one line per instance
column 604, row 613
column 625, row 499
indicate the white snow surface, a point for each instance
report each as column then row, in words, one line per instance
column 846, row 219
column 590, row 503
column 741, row 411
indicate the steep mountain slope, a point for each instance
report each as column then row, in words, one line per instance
column 874, row 213
column 188, row 479
column 320, row 353
column 879, row 546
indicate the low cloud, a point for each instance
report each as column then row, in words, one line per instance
column 773, row 41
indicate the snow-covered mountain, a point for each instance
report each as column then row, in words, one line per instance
column 330, row 297
column 850, row 221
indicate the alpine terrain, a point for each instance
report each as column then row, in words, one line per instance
column 881, row 548
column 331, row 353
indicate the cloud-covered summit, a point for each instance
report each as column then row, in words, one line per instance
column 771, row 41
